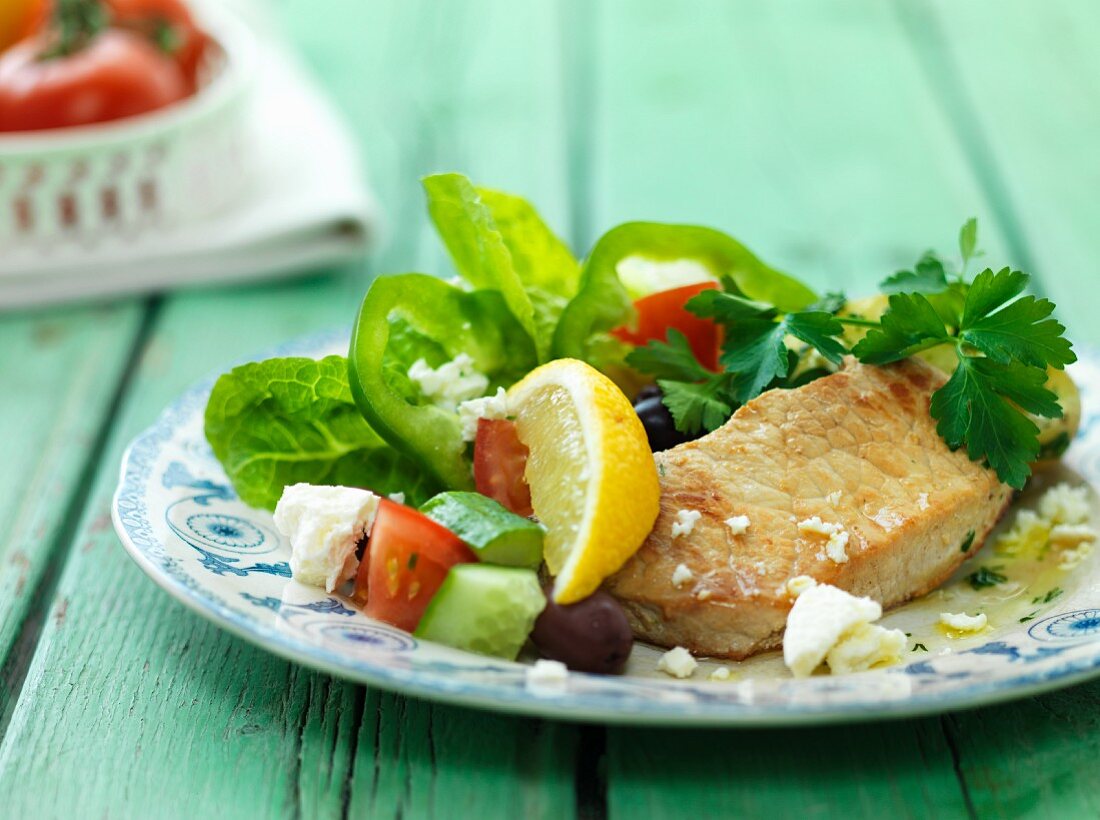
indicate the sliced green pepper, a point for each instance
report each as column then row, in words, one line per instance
column 602, row 303
column 412, row 316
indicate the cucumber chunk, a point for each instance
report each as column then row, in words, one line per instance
column 495, row 534
column 484, row 609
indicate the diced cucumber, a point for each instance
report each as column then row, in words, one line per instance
column 495, row 534
column 484, row 609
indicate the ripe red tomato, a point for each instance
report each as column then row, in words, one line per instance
column 664, row 309
column 500, row 459
column 118, row 74
column 407, row 557
column 188, row 42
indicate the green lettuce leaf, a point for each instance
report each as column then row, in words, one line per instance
column 284, row 421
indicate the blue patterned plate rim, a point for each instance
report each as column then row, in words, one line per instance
column 1059, row 650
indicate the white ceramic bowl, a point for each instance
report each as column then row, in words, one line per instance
column 112, row 181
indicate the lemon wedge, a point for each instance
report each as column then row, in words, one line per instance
column 592, row 475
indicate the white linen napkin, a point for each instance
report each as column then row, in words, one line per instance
column 308, row 206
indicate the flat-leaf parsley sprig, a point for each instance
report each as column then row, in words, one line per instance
column 1004, row 341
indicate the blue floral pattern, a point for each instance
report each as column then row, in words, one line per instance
column 179, row 518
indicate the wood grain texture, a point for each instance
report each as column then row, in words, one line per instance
column 61, row 370
column 1021, row 84
column 207, row 725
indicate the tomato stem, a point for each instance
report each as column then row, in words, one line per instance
column 75, row 23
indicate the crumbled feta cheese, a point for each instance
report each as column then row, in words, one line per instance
column 821, row 616
column 799, row 584
column 922, row 501
column 678, row 663
column 838, row 537
column 396, row 498
column 547, row 674
column 865, row 646
column 682, row 575
column 449, row 384
column 1065, row 504
column 703, row 595
column 721, row 673
column 738, row 524
column 1071, row 558
column 1070, row 535
column 325, row 526
column 962, row 622
column 833, row 498
column 1028, row 536
column 486, row 407
column 685, row 522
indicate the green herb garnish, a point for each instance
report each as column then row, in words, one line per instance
column 1004, row 342
column 986, row 577
column 967, row 542
column 1050, row 596
column 919, row 647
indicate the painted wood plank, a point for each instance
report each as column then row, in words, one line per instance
column 60, row 370
column 1022, row 86
column 259, row 737
column 811, row 132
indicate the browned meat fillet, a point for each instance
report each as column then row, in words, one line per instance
column 856, row 449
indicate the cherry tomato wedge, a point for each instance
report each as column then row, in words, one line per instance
column 407, row 557
column 664, row 309
column 499, row 461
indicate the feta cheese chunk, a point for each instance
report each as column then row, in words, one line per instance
column 449, row 384
column 721, row 673
column 1071, row 535
column 865, row 646
column 838, row 537
column 1065, row 504
column 962, row 622
column 486, row 407
column 682, row 575
column 546, row 674
column 822, row 618
column 678, row 663
column 685, row 522
column 738, row 524
column 799, row 584
column 324, row 525
column 833, row 498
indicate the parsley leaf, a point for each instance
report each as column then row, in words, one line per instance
column 927, row 276
column 673, row 359
column 968, row 240
column 909, row 326
column 974, row 409
column 695, row 407
column 986, row 577
column 1005, row 330
column 755, row 346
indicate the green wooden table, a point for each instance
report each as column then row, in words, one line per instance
column 838, row 139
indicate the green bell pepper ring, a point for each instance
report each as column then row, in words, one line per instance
column 418, row 316
column 602, row 303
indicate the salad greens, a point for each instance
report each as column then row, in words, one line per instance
column 522, row 298
column 282, row 421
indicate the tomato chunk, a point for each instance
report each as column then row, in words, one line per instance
column 407, row 557
column 665, row 309
column 499, row 461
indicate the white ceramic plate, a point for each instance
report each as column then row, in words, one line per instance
column 179, row 518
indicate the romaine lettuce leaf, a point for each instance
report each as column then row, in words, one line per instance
column 282, row 421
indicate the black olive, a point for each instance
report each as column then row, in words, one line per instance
column 659, row 427
column 592, row 635
column 647, row 392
